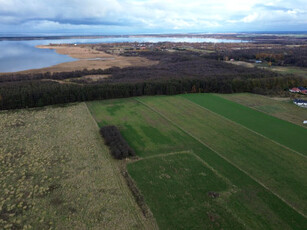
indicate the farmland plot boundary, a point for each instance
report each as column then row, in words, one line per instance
column 259, row 134
column 220, row 155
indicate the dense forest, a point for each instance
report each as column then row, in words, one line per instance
column 41, row 93
column 176, row 73
column 186, row 65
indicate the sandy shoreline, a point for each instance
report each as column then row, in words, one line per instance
column 88, row 58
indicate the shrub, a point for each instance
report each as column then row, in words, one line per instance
column 119, row 148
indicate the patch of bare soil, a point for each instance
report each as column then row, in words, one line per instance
column 241, row 63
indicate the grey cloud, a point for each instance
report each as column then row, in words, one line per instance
column 161, row 15
column 81, row 21
column 272, row 8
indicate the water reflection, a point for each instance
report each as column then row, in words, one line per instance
column 17, row 56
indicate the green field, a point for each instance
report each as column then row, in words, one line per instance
column 283, row 132
column 261, row 183
column 180, row 184
column 282, row 108
column 56, row 173
column 147, row 132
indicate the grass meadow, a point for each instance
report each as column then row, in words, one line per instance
column 185, row 144
column 56, row 173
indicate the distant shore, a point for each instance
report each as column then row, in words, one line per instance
column 230, row 35
column 27, row 38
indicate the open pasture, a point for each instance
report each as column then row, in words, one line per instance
column 263, row 181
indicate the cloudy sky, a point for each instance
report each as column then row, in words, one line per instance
column 151, row 16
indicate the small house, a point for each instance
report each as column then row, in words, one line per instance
column 300, row 102
column 294, row 90
column 304, row 91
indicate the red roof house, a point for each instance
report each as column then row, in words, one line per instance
column 304, row 91
column 295, row 90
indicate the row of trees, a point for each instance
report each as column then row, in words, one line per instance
column 118, row 146
column 14, row 95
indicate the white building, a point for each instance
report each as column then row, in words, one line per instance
column 301, row 103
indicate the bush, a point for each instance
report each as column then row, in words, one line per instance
column 118, row 146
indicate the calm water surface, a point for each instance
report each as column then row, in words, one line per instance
column 22, row 55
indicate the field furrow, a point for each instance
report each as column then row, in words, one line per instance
column 188, row 131
column 269, row 163
column 282, row 108
column 283, row 132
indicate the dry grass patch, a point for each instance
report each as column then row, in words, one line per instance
column 96, row 77
column 55, row 172
column 241, row 63
column 79, row 52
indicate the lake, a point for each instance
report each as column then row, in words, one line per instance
column 23, row 55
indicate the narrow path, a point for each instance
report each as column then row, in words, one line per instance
column 220, row 155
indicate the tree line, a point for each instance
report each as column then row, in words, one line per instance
column 14, row 77
column 15, row 95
